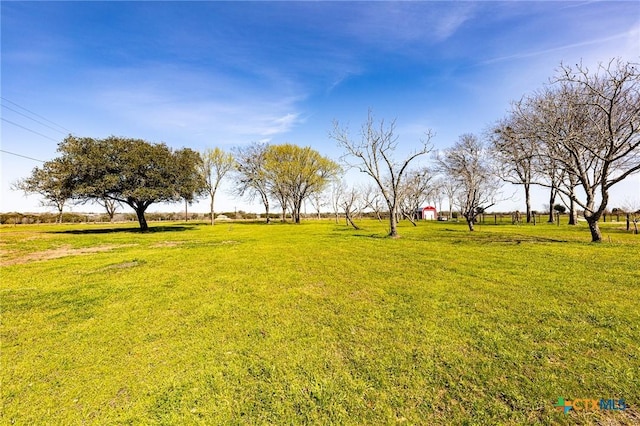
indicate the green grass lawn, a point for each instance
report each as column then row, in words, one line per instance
column 317, row 324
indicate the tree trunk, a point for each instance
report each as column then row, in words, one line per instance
column 596, row 235
column 296, row 212
column 527, row 197
column 573, row 213
column 552, row 200
column 350, row 221
column 393, row 222
column 141, row 219
column 212, row 213
column 470, row 217
column 410, row 219
column 186, row 212
column 470, row 221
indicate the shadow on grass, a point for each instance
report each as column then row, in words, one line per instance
column 375, row 236
column 151, row 230
column 508, row 239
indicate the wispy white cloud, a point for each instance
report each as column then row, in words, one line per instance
column 449, row 23
column 390, row 23
column 339, row 80
column 219, row 121
column 279, row 125
column 620, row 36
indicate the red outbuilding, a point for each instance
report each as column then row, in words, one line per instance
column 429, row 213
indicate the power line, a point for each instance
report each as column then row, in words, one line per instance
column 30, row 130
column 20, row 155
column 33, row 119
column 37, row 115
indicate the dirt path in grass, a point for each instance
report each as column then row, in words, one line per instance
column 53, row 254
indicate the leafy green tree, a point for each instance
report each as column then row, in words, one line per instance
column 215, row 165
column 52, row 181
column 295, row 173
column 130, row 171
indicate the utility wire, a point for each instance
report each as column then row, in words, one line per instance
column 30, row 130
column 20, row 155
column 33, row 119
column 37, row 115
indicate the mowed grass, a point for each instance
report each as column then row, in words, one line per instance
column 317, row 324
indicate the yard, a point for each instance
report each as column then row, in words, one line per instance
column 247, row 323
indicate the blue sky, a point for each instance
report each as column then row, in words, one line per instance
column 205, row 74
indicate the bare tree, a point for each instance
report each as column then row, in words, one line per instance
column 468, row 164
column 437, row 194
column 515, row 152
column 110, row 206
column 373, row 155
column 449, row 188
column 589, row 124
column 571, row 185
column 415, row 192
column 550, row 170
column 349, row 203
column 250, row 174
column 338, row 188
column 520, row 147
column 371, row 199
column 215, row 165
column 318, row 200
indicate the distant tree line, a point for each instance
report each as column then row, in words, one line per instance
column 577, row 136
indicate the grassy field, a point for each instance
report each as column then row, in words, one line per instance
column 317, row 324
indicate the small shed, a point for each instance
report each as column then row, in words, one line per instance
column 429, row 213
